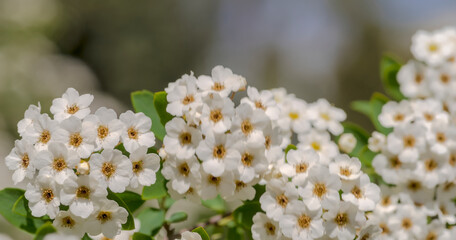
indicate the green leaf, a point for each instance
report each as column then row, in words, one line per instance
column 177, row 217
column 217, row 204
column 141, row 236
column 14, row 208
column 363, row 107
column 153, row 220
column 143, row 101
column 243, row 215
column 289, row 147
column 202, row 233
column 235, row 233
column 389, row 68
column 86, row 237
column 161, row 103
column 130, row 224
column 131, row 199
column 360, row 134
column 156, row 190
column 44, row 230
column 259, row 190
column 372, row 109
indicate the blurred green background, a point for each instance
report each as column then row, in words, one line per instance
column 318, row 48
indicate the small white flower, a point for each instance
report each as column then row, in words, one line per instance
column 83, row 168
column 57, row 162
column 298, row 164
column 212, row 185
column 369, row 232
column 78, row 136
column 408, row 141
column 376, row 142
column 41, row 131
column 264, row 228
column 414, row 190
column 137, row 131
column 441, row 138
column 347, row 142
column 21, row 161
column 263, row 100
column 190, row 236
column 388, row 201
column 71, row 104
column 60, row 236
column 253, row 162
column 111, row 169
column 321, row 143
column 182, row 173
column 342, row 220
column 31, row 115
column 183, row 96
column 80, row 193
column 430, row 169
column 108, row 128
column 181, row 139
column 345, row 167
column 413, row 80
column 124, row 234
column 301, row 222
column 244, row 190
column 294, row 116
column 362, row 193
column 407, row 223
column 394, row 113
column 69, row 224
column 277, row 198
column 391, row 168
column 43, row 197
column 107, row 219
column 222, row 81
column 442, row 81
column 249, row 123
column 216, row 114
column 432, row 48
column 144, row 167
column 326, row 117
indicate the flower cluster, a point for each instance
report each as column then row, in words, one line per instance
column 69, row 161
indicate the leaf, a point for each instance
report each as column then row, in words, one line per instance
column 161, row 103
column 389, row 68
column 44, row 230
column 141, row 236
column 153, row 220
column 156, row 190
column 372, row 109
column 360, row 134
column 243, row 215
column 217, row 204
column 14, row 208
column 259, row 190
column 202, row 233
column 363, row 107
column 289, row 147
column 235, row 233
column 177, row 217
column 131, row 199
column 130, row 224
column 143, row 101
column 86, row 237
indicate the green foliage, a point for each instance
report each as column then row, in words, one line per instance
column 160, row 104
column 289, row 147
column 360, row 134
column 86, row 237
column 217, row 204
column 14, row 208
column 44, row 230
column 130, row 224
column 202, row 233
column 131, row 199
column 156, row 190
column 243, row 215
column 372, row 109
column 141, row 236
column 153, row 220
column 177, row 217
column 389, row 68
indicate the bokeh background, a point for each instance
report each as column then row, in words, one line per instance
column 315, row 49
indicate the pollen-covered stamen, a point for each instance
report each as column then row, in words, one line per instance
column 25, row 161
column 188, row 99
column 319, row 190
column 247, row 159
column 219, row 152
column 190, row 191
column 282, row 200
column 452, row 160
column 293, row 115
column 267, row 142
column 409, row 141
column 429, row 117
column 432, row 47
column 444, row 78
column 184, row 170
column 345, row 171
column 270, row 228
column 47, row 194
column 185, row 138
column 72, row 109
column 132, row 133
column 301, row 168
column 395, row 162
column 83, row 192
column 430, row 164
column 216, row 115
column 108, row 169
column 214, row 180
column 103, row 216
column 67, row 222
column 218, row 86
column 431, row 236
column 103, row 131
column 316, row 146
column 75, row 140
column 384, row 227
column 246, row 127
column 356, row 191
column 440, row 137
column 259, row 105
column 45, row 136
column 59, row 164
column 406, row 223
column 137, row 166
column 414, row 185
column 386, row 201
column 418, row 78
column 325, row 116
column 341, row 219
column 240, row 185
column 399, row 117
column 304, row 221
column 448, row 186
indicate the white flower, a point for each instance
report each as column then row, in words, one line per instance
column 80, row 193
column 326, row 117
column 137, row 131
column 222, row 81
column 389, row 199
column 190, row 236
column 31, row 115
column 321, row 189
column 249, row 123
column 183, row 96
column 111, row 169
column 432, row 48
column 43, row 197
column 446, row 191
column 21, row 161
column 347, row 142
column 212, row 185
column 430, row 169
column 83, row 168
column 301, row 222
column 275, row 201
column 218, row 153
column 414, row 190
column 243, row 191
column 41, row 131
column 107, row 219
column 362, row 193
column 391, row 168
column 216, row 114
column 264, row 228
column 369, row 231
column 108, row 128
column 442, row 81
column 342, row 220
column 408, row 141
column 441, row 138
column 253, row 162
column 181, row 140
column 59, row 236
column 124, row 234
column 181, row 173
column 71, row 104
column 345, row 167
column 437, row 230
column 429, row 111
column 294, row 116
column 298, row 164
column 144, row 167
column 263, row 100
column 69, row 224
column 407, row 223
column 394, row 113
column 57, row 162
column 78, row 136
column 413, row 80
column 376, row 142
column 321, row 143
